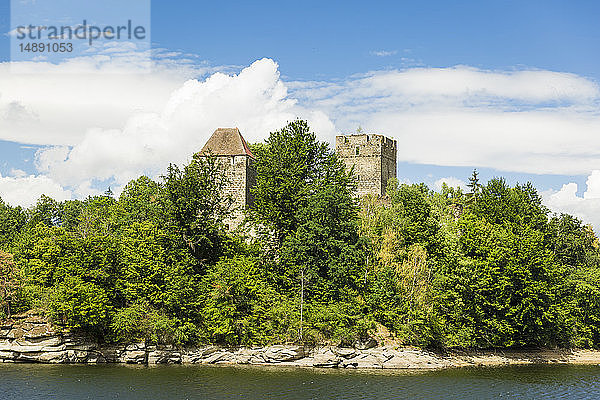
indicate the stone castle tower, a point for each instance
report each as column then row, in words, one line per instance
column 373, row 158
column 232, row 151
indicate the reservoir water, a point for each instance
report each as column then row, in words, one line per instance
column 65, row 382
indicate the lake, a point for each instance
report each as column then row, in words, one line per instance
column 36, row 381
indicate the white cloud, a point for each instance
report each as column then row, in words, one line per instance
column 450, row 86
column 384, row 53
column 102, row 126
column 452, row 182
column 586, row 208
column 55, row 104
column 26, row 190
column 530, row 121
column 593, row 186
column 255, row 100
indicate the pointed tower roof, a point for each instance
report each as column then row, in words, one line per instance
column 226, row 142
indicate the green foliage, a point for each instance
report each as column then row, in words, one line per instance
column 80, row 305
column 488, row 268
column 501, row 288
column 12, row 221
column 340, row 322
column 10, row 282
column 288, row 164
column 303, row 195
column 240, row 306
column 141, row 322
column 141, row 201
column 196, row 205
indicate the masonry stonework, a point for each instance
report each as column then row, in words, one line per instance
column 233, row 153
column 373, row 158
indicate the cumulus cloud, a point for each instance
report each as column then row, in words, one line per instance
column 255, row 100
column 586, row 207
column 531, row 121
column 103, row 121
column 452, row 182
column 26, row 190
column 55, row 104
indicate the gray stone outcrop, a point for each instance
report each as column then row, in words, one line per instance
column 31, row 338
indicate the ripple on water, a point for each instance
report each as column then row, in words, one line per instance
column 65, row 382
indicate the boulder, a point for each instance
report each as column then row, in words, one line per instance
column 134, row 357
column 326, row 359
column 164, row 357
column 218, row 357
column 344, row 352
column 365, row 343
column 53, row 357
column 277, row 354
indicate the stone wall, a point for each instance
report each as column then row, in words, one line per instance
column 373, row 158
column 241, row 176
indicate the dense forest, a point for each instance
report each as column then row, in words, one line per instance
column 487, row 268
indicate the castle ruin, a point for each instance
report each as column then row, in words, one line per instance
column 233, row 153
column 372, row 156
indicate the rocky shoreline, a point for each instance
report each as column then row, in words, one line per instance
column 31, row 338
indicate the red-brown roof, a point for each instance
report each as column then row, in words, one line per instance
column 226, row 142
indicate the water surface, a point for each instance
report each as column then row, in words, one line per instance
column 65, row 382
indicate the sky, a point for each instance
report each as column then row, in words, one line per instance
column 508, row 87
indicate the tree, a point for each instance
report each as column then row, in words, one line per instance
column 197, row 206
column 9, row 281
column 475, row 186
column 46, row 211
column 12, row 222
column 303, row 194
column 240, row 306
column 287, row 166
column 570, row 240
column 141, row 200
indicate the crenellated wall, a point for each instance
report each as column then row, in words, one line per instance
column 373, row 158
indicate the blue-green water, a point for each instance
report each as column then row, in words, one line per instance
column 34, row 381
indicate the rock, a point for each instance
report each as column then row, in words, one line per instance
column 111, row 354
column 134, row 357
column 28, row 357
column 53, row 357
column 326, row 359
column 218, row 357
column 15, row 333
column 7, row 355
column 39, row 342
column 364, row 361
column 277, row 354
column 39, row 331
column 344, row 352
column 95, row 358
column 136, row 346
column 164, row 357
column 365, row 343
column 5, row 345
column 245, row 356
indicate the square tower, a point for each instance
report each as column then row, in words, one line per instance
column 234, row 155
column 373, row 158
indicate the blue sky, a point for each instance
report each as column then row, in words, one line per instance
column 343, row 64
column 316, row 39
